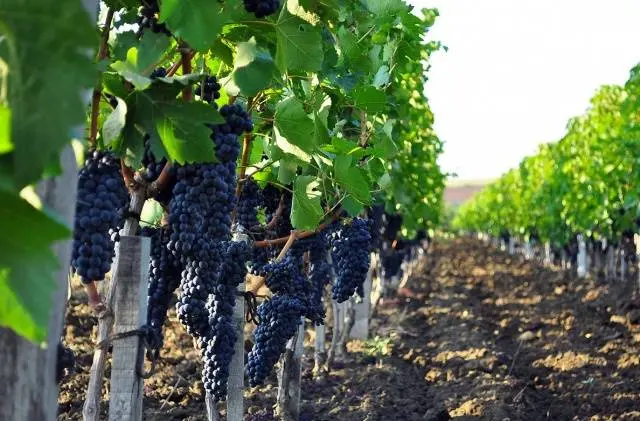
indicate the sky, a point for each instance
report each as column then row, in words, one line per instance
column 517, row 70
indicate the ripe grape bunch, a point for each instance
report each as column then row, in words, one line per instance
column 350, row 245
column 249, row 201
column 218, row 344
column 262, row 8
column 280, row 318
column 319, row 277
column 102, row 198
column 164, row 278
column 209, row 90
column 200, row 224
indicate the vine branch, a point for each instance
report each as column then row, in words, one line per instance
column 97, row 91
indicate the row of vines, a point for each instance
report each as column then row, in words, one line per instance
column 585, row 184
column 252, row 136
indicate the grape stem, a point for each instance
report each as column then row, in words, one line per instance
column 299, row 235
column 97, row 91
column 128, row 176
column 187, row 93
column 161, row 182
column 277, row 215
column 174, row 69
column 246, row 150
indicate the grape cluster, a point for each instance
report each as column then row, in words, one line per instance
column 200, row 223
column 376, row 215
column 319, row 278
column 350, row 254
column 262, row 8
column 209, row 90
column 102, row 198
column 148, row 19
column 248, row 203
column 221, row 337
column 153, row 167
column 280, row 318
column 164, row 278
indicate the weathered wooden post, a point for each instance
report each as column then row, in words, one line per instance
column 360, row 329
column 125, row 402
column 235, row 385
column 91, row 408
column 582, row 257
column 289, row 378
column 28, row 389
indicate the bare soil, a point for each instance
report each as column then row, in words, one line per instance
column 479, row 335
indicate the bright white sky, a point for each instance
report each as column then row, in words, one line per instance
column 517, row 70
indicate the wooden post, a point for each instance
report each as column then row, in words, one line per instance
column 28, row 389
column 512, row 246
column 360, row 328
column 348, row 320
column 289, row 378
column 235, row 386
column 319, row 352
column 623, row 265
column 125, row 402
column 338, row 317
column 547, row 254
column 91, row 408
column 582, row 257
column 610, row 263
column 637, row 241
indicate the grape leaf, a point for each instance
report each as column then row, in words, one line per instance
column 298, row 44
column 294, row 124
column 5, row 130
column 253, row 68
column 179, row 125
column 306, row 211
column 150, row 51
column 352, row 179
column 370, row 99
column 27, row 266
column 112, row 127
column 386, row 8
column 198, row 22
column 42, row 128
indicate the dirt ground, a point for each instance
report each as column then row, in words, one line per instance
column 478, row 335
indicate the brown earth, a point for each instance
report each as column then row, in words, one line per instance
column 483, row 336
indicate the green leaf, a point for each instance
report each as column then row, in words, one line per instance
column 321, row 132
column 370, row 99
column 298, row 44
column 36, row 33
column 382, row 77
column 112, row 128
column 287, row 171
column 352, row 179
column 27, row 266
column 122, row 43
column 130, row 72
column 198, row 22
column 179, row 125
column 294, row 124
column 306, row 211
column 352, row 207
column 151, row 49
column 253, row 69
column 386, row 8
column 5, row 130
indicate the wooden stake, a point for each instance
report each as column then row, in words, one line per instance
column 360, row 328
column 235, row 387
column 289, row 378
column 125, row 402
column 28, row 390
column 91, row 408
